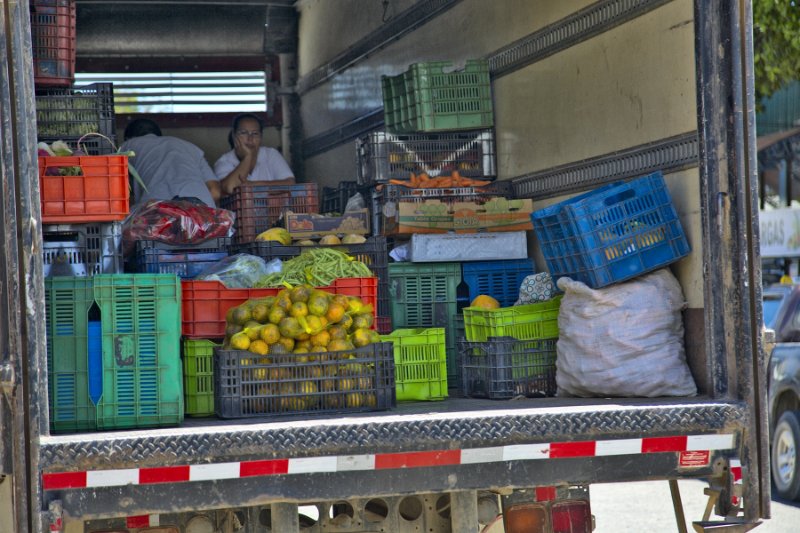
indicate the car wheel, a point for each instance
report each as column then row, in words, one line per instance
column 785, row 463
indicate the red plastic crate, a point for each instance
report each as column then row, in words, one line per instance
column 100, row 194
column 259, row 207
column 53, row 42
column 205, row 303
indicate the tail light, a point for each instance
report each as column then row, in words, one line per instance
column 525, row 518
column 571, row 517
column 548, row 510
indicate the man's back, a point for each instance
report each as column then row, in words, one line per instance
column 169, row 167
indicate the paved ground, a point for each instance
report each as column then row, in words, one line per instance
column 647, row 507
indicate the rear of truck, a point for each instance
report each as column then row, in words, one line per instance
column 583, row 93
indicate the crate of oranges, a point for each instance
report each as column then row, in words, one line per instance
column 303, row 350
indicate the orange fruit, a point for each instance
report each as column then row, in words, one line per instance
column 270, row 333
column 485, row 302
column 321, row 339
column 335, row 312
column 286, row 342
column 337, row 332
column 277, row 314
column 298, row 309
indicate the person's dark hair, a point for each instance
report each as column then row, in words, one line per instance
column 140, row 127
column 240, row 117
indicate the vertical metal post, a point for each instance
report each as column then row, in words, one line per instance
column 285, row 518
column 728, row 179
column 464, row 511
column 677, row 505
column 23, row 405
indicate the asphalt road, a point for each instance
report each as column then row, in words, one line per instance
column 647, row 507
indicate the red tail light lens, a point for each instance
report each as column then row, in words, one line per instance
column 571, row 517
column 525, row 518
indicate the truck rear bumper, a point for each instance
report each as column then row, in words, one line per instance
column 493, row 445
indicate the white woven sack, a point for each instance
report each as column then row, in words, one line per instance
column 623, row 340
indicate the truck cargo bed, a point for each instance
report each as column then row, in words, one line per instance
column 471, row 441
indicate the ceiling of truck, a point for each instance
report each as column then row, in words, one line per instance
column 152, row 34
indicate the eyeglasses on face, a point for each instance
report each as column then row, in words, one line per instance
column 245, row 133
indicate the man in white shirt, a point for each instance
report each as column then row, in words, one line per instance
column 168, row 166
column 249, row 161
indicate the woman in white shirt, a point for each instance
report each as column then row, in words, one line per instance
column 249, row 161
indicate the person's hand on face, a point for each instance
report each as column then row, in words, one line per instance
column 247, row 139
column 244, row 148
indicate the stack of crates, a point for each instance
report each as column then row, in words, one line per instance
column 83, row 197
column 187, row 262
column 510, row 351
column 439, row 121
column 113, row 339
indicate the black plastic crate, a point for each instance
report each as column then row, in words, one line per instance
column 68, row 114
column 185, row 261
column 504, row 367
column 251, row 385
column 334, row 199
column 372, row 253
column 383, row 156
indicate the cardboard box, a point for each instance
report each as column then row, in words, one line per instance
column 435, row 216
column 485, row 246
column 311, row 225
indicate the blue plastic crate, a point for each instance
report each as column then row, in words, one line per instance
column 611, row 234
column 498, row 279
column 185, row 261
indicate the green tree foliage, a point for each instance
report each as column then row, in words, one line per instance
column 776, row 44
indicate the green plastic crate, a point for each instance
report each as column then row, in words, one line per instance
column 67, row 304
column 522, row 322
column 198, row 376
column 141, row 324
column 420, row 363
column 431, row 97
column 423, row 295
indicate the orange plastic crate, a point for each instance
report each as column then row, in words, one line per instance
column 205, row 303
column 53, row 42
column 100, row 194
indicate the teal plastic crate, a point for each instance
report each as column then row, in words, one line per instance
column 420, row 363
column 198, row 376
column 67, row 304
column 433, row 96
column 141, row 324
column 423, row 295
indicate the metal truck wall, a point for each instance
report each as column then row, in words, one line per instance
column 630, row 83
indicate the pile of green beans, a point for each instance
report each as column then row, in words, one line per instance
column 319, row 267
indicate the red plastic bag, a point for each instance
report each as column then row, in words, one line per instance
column 177, row 221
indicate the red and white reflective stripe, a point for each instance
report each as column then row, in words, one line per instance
column 148, row 520
column 383, row 461
column 736, row 472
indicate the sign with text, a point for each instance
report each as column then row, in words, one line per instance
column 780, row 232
